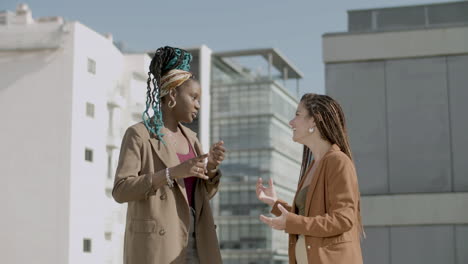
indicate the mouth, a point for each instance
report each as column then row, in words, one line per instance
column 293, row 129
column 194, row 115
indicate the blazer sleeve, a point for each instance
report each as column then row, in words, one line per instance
column 212, row 184
column 129, row 185
column 276, row 211
column 341, row 192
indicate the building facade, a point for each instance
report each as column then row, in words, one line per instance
column 250, row 113
column 67, row 94
column 401, row 77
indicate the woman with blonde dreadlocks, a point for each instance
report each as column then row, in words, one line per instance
column 163, row 174
column 324, row 221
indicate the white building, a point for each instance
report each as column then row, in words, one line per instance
column 67, row 94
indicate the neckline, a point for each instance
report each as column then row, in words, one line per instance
column 189, row 148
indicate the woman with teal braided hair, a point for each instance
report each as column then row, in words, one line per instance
column 163, row 174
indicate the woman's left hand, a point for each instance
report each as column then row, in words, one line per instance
column 278, row 223
column 216, row 155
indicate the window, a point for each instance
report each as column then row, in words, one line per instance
column 110, row 169
column 108, row 236
column 87, row 245
column 90, row 109
column 88, row 154
column 91, row 66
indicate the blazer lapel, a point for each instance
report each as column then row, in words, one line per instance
column 168, row 156
column 197, row 197
column 316, row 176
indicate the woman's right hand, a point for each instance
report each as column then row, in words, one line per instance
column 192, row 167
column 266, row 194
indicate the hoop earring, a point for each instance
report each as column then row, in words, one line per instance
column 171, row 106
column 311, row 130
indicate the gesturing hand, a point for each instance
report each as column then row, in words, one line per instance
column 278, row 223
column 266, row 194
column 192, row 167
column 216, row 155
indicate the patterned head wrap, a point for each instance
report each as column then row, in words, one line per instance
column 171, row 80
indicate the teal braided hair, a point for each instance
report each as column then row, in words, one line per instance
column 164, row 59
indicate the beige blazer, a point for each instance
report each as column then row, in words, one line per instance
column 332, row 223
column 157, row 221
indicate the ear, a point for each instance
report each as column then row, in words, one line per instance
column 172, row 95
column 311, row 122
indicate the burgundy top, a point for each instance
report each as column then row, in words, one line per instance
column 189, row 181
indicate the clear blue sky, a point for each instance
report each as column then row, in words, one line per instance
column 293, row 27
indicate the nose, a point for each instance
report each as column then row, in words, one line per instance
column 291, row 122
column 197, row 105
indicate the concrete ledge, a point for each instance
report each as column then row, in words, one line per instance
column 415, row 209
column 395, row 44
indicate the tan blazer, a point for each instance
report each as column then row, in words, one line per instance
column 332, row 223
column 157, row 223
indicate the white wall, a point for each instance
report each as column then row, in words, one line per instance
column 88, row 199
column 35, row 111
column 54, row 197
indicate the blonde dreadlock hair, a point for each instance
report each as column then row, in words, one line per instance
column 330, row 121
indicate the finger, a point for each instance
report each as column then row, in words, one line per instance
column 215, row 145
column 202, row 157
column 282, row 209
column 260, row 184
column 258, row 190
column 262, row 188
column 218, row 153
column 219, row 148
column 200, row 167
column 220, row 156
column 219, row 159
column 258, row 187
column 196, row 170
column 265, row 219
column 270, row 182
column 201, row 175
column 260, row 181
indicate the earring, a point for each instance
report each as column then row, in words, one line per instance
column 171, row 105
column 311, row 130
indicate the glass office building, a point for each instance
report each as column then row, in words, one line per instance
column 250, row 111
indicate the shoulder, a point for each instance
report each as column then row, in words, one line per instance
column 138, row 130
column 338, row 159
column 337, row 156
